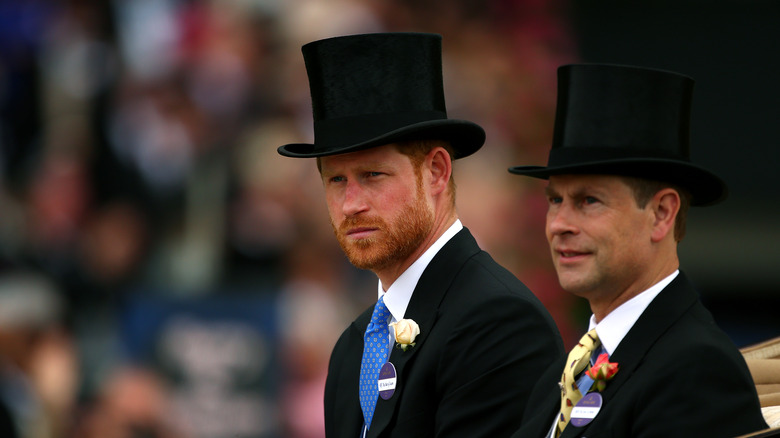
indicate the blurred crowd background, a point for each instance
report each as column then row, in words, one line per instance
column 165, row 273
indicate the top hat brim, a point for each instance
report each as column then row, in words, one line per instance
column 464, row 136
column 705, row 187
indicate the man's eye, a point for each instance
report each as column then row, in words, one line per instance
column 591, row 200
column 374, row 173
column 337, row 179
column 555, row 200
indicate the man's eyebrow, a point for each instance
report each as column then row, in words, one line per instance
column 577, row 193
column 361, row 167
column 324, row 171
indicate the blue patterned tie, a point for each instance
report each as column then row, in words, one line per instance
column 375, row 347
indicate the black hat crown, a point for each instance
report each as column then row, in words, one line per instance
column 374, row 89
column 624, row 120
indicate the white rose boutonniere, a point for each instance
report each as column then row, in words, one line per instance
column 406, row 330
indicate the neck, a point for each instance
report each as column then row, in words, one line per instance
column 389, row 275
column 603, row 307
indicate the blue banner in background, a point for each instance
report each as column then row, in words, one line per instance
column 217, row 353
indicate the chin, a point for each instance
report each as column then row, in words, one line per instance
column 575, row 286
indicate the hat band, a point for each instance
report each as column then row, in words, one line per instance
column 354, row 130
column 565, row 156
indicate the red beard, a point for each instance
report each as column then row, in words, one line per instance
column 393, row 242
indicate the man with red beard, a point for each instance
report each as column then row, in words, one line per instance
column 455, row 341
column 654, row 363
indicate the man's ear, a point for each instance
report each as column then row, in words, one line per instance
column 440, row 165
column 666, row 206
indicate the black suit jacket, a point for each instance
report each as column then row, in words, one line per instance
column 679, row 376
column 484, row 339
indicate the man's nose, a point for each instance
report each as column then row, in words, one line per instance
column 354, row 199
column 559, row 220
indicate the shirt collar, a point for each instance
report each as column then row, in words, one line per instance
column 399, row 293
column 614, row 327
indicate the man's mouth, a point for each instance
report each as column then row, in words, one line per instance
column 360, row 232
column 570, row 255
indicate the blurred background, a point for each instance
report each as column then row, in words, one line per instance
column 165, row 273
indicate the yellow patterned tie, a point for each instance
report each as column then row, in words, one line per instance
column 578, row 360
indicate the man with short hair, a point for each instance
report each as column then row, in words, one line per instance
column 466, row 338
column 654, row 363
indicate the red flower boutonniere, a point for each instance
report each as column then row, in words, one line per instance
column 602, row 371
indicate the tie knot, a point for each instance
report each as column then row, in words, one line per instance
column 590, row 341
column 381, row 312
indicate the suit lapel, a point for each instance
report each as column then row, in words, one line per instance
column 662, row 312
column 423, row 308
column 400, row 360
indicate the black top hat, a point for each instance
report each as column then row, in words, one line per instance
column 623, row 120
column 374, row 89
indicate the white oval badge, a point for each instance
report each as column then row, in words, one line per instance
column 387, row 381
column 586, row 409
